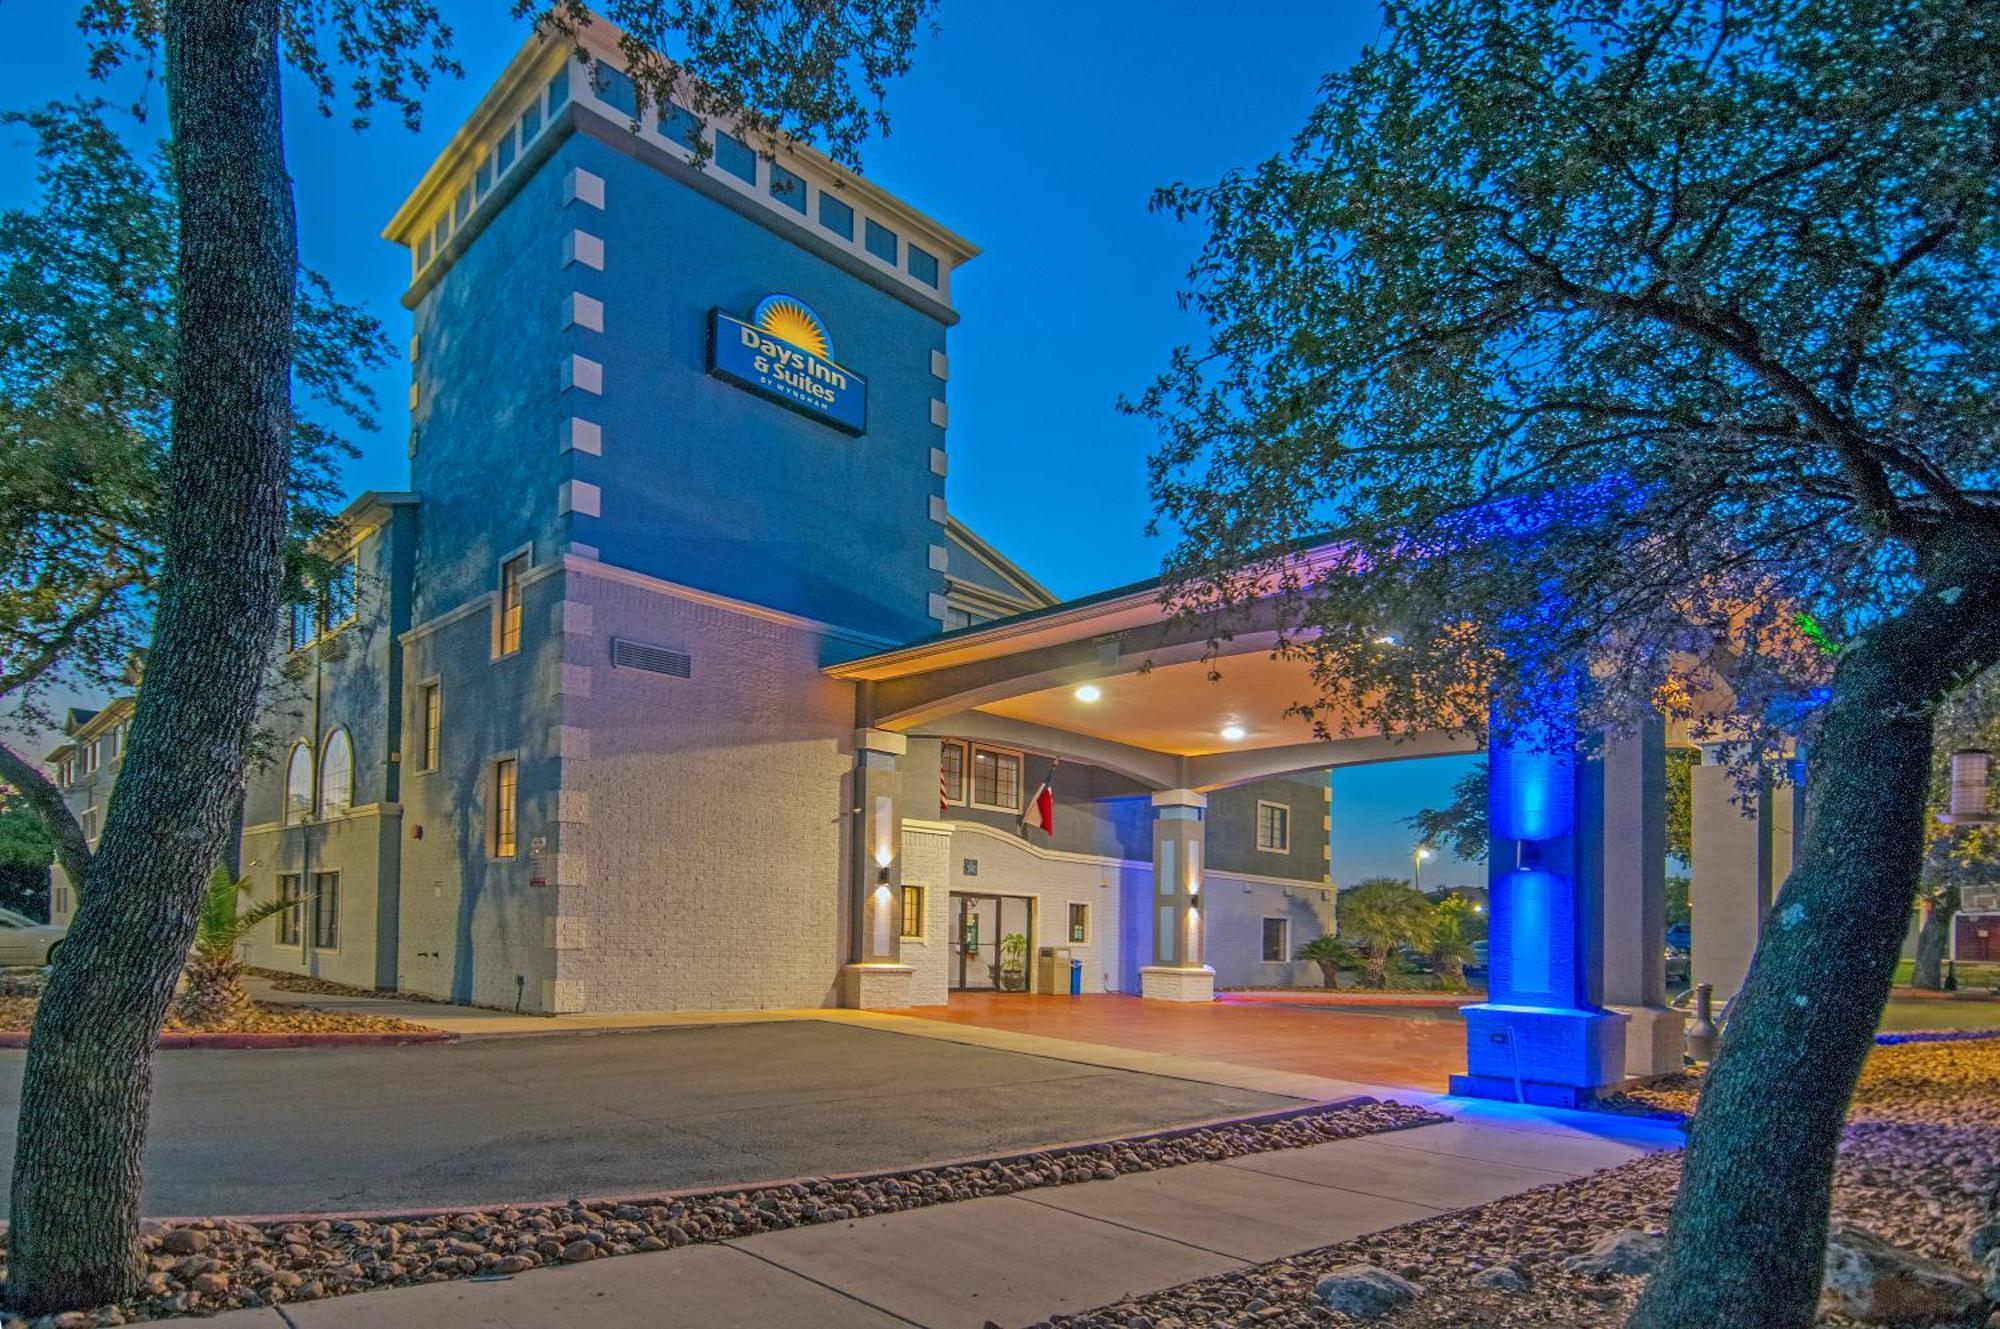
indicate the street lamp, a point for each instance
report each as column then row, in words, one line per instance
column 1417, row 857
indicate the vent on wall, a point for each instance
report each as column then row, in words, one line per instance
column 652, row 659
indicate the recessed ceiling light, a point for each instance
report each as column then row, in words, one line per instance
column 1089, row 692
column 1235, row 733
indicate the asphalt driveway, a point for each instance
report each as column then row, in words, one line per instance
column 488, row 1121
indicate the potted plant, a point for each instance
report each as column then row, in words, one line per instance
column 1014, row 962
column 1332, row 954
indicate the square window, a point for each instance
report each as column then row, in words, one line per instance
column 304, row 624
column 423, row 252
column 1079, row 923
column 1274, row 828
column 461, row 207
column 996, row 780
column 441, row 233
column 836, row 216
column 615, row 90
column 326, row 911
column 734, row 156
column 788, row 188
column 951, row 772
column 913, row 911
column 343, row 598
column 558, row 89
column 1277, row 940
column 881, row 242
column 923, row 266
column 485, row 174
column 678, row 123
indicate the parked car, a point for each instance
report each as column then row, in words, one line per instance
column 1680, row 937
column 23, row 941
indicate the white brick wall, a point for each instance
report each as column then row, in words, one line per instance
column 1009, row 865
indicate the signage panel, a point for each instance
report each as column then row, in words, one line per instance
column 755, row 357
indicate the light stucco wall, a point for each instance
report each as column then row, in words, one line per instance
column 1236, row 906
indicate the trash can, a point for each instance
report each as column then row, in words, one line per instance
column 1052, row 965
column 1075, row 978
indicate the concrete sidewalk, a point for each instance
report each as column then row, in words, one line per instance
column 1020, row 1258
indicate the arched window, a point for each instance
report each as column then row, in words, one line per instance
column 336, row 775
column 299, row 784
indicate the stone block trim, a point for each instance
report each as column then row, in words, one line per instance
column 938, row 513
column 573, row 680
column 584, row 436
column 580, row 497
column 583, row 374
column 937, row 461
column 939, row 414
column 937, row 606
column 583, row 249
column 573, row 805
column 569, row 868
column 940, row 365
column 584, row 312
column 571, row 742
column 565, row 932
column 573, row 618
column 562, row 996
column 580, row 186
column 940, row 558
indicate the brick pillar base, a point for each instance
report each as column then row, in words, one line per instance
column 1159, row 982
column 875, row 987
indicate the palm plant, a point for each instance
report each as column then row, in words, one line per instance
column 1451, row 938
column 1382, row 914
column 1332, row 954
column 214, row 992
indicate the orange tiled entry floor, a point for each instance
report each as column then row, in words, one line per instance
column 1418, row 1049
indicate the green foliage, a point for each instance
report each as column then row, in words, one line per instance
column 1381, row 915
column 1680, row 900
column 1682, row 317
column 223, row 922
column 1453, row 927
column 87, row 347
column 1332, row 954
column 25, row 855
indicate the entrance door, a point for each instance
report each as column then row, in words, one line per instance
column 989, row 942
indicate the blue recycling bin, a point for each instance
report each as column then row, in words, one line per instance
column 1076, row 978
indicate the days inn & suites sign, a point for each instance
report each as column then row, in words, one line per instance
column 783, row 352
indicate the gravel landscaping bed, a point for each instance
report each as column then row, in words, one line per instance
column 1920, row 1168
column 210, row 1265
column 18, row 1013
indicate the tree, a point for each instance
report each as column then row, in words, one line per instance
column 1381, row 915
column 1453, row 929
column 1332, row 955
column 807, row 68
column 1611, row 336
column 25, row 855
column 214, row 993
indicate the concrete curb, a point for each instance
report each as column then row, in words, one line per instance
column 1350, row 1000
column 1265, row 1117
column 246, row 1042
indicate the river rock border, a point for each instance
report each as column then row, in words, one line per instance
column 203, row 1266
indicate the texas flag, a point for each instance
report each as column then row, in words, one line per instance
column 1041, row 809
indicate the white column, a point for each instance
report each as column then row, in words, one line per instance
column 876, row 977
column 1633, row 851
column 1178, row 971
column 1742, row 853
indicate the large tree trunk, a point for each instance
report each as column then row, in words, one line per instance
column 1934, row 940
column 1747, row 1239
column 88, row 1080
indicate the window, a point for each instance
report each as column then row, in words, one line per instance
column 678, row 123
column 461, row 207
column 1274, row 828
column 288, row 919
column 511, row 573
column 913, row 911
column 504, row 780
column 326, row 911
column 615, row 90
column 734, row 156
column 485, row 174
column 923, row 266
column 299, row 784
column 1079, row 922
column 433, row 713
column 343, row 599
column 996, row 779
column 881, row 242
column 951, row 772
column 423, row 250
column 788, row 188
column 504, row 154
column 65, row 773
column 1277, row 940
column 836, row 216
column 441, row 233
column 304, row 624
column 531, row 122
column 558, row 89
column 336, row 774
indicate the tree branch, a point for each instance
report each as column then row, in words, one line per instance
column 40, row 794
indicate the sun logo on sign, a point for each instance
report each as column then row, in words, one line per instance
column 789, row 320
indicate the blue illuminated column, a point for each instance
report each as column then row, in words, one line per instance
column 1542, row 1035
column 876, row 977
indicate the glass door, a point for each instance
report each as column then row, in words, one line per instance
column 990, row 942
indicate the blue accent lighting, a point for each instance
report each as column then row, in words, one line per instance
column 1533, row 792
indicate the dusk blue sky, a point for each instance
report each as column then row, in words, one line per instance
column 1037, row 130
